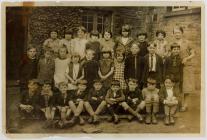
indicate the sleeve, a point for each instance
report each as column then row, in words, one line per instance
column 161, row 94
column 143, row 93
column 126, row 72
column 139, row 95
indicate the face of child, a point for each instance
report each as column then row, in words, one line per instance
column 151, row 49
column 53, row 35
column 89, row 55
column 46, row 87
column 62, row 52
column 106, row 55
column 168, row 83
column 115, row 88
column 75, row 59
column 107, row 36
column 68, row 36
column 125, row 33
column 32, row 87
column 63, row 88
column 48, row 54
column 120, row 58
column 31, row 53
column 160, row 36
column 80, row 34
column 94, row 38
column 82, row 87
column 134, row 49
column 141, row 38
column 132, row 86
column 97, row 86
column 176, row 51
column 177, row 33
column 151, row 86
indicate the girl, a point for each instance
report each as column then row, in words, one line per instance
column 79, row 43
column 74, row 72
column 61, row 64
column 187, row 53
column 143, row 44
column 107, row 44
column 106, row 68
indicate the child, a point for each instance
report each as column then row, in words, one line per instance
column 173, row 66
column 96, row 101
column 143, row 44
column 107, row 44
column 29, row 102
column 53, row 42
column 94, row 44
column 63, row 103
column 79, row 43
column 134, row 102
column 151, row 98
column 161, row 44
column 106, row 68
column 152, row 63
column 169, row 96
column 114, row 99
column 47, row 103
column 125, row 41
column 74, row 72
column 133, row 63
column 61, row 64
column 90, row 68
column 46, row 66
column 76, row 102
column 28, row 67
column 66, row 41
column 119, row 67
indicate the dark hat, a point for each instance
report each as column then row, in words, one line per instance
column 115, row 83
column 133, row 80
column 142, row 33
column 126, row 28
column 83, row 82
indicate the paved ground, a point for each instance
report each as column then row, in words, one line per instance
column 186, row 122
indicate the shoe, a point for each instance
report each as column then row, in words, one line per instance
column 82, row 122
column 148, row 119
column 116, row 119
column 172, row 121
column 154, row 119
column 167, row 121
column 90, row 120
column 95, row 119
column 139, row 117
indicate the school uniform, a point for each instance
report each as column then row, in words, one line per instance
column 47, row 101
column 152, row 63
column 124, row 44
column 62, row 100
column 95, row 46
column 76, row 94
column 46, row 69
column 133, row 67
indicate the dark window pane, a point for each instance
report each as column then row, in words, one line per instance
column 90, row 18
column 100, row 19
column 84, row 18
column 90, row 27
column 100, row 28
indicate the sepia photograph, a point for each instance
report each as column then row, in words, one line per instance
column 92, row 67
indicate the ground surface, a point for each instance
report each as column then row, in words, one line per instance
column 186, row 122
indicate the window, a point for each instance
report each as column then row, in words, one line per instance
column 100, row 24
column 87, row 22
column 179, row 8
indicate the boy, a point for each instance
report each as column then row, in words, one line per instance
column 173, row 65
column 94, row 44
column 46, row 66
column 133, row 63
column 95, row 103
column 29, row 102
column 151, row 98
column 90, row 68
column 134, row 102
column 169, row 96
column 114, row 99
column 62, row 102
column 28, row 67
column 76, row 102
column 152, row 63
column 143, row 44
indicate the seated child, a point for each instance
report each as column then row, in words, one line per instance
column 74, row 72
column 29, row 102
column 95, row 103
column 76, row 102
column 134, row 102
column 169, row 96
column 114, row 99
column 62, row 103
column 90, row 67
column 106, row 68
column 47, row 103
column 151, row 98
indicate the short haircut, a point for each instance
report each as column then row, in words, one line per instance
column 175, row 45
column 94, row 33
column 142, row 33
column 179, row 28
column 70, row 32
column 31, row 47
column 107, row 31
column 81, row 28
column 63, row 47
column 161, row 32
column 171, row 77
column 62, row 84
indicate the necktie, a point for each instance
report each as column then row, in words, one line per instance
column 151, row 62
